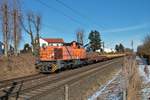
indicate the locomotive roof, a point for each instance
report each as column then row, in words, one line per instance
column 68, row 44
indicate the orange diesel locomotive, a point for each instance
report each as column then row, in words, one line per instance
column 67, row 55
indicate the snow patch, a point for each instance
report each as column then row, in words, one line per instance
column 103, row 88
column 144, row 71
column 145, row 75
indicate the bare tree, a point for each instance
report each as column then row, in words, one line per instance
column 28, row 29
column 146, row 45
column 34, row 23
column 16, row 27
column 5, row 26
column 144, row 49
column 37, row 23
column 80, row 35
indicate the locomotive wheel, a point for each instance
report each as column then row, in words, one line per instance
column 54, row 67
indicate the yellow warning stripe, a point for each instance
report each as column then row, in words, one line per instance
column 54, row 67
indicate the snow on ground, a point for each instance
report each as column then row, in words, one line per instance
column 109, row 91
column 112, row 90
column 144, row 71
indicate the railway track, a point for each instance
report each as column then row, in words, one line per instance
column 38, row 84
column 5, row 83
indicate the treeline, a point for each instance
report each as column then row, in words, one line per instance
column 96, row 43
column 13, row 21
column 144, row 49
column 119, row 48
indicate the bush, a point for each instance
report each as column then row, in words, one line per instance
column 144, row 49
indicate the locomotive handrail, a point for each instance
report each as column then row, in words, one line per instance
column 68, row 51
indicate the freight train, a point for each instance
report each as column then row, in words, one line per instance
column 68, row 55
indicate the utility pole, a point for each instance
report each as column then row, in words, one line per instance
column 66, row 92
column 132, row 46
column 80, row 36
column 102, row 46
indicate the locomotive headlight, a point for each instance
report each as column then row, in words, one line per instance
column 53, row 54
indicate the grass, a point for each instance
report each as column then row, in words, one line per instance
column 132, row 79
column 17, row 66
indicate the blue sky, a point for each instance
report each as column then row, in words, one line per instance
column 118, row 21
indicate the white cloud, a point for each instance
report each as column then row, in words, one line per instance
column 130, row 28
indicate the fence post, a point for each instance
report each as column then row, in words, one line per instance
column 66, row 92
column 124, row 94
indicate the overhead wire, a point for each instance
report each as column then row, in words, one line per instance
column 61, row 12
column 76, row 12
column 48, row 26
column 73, row 10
